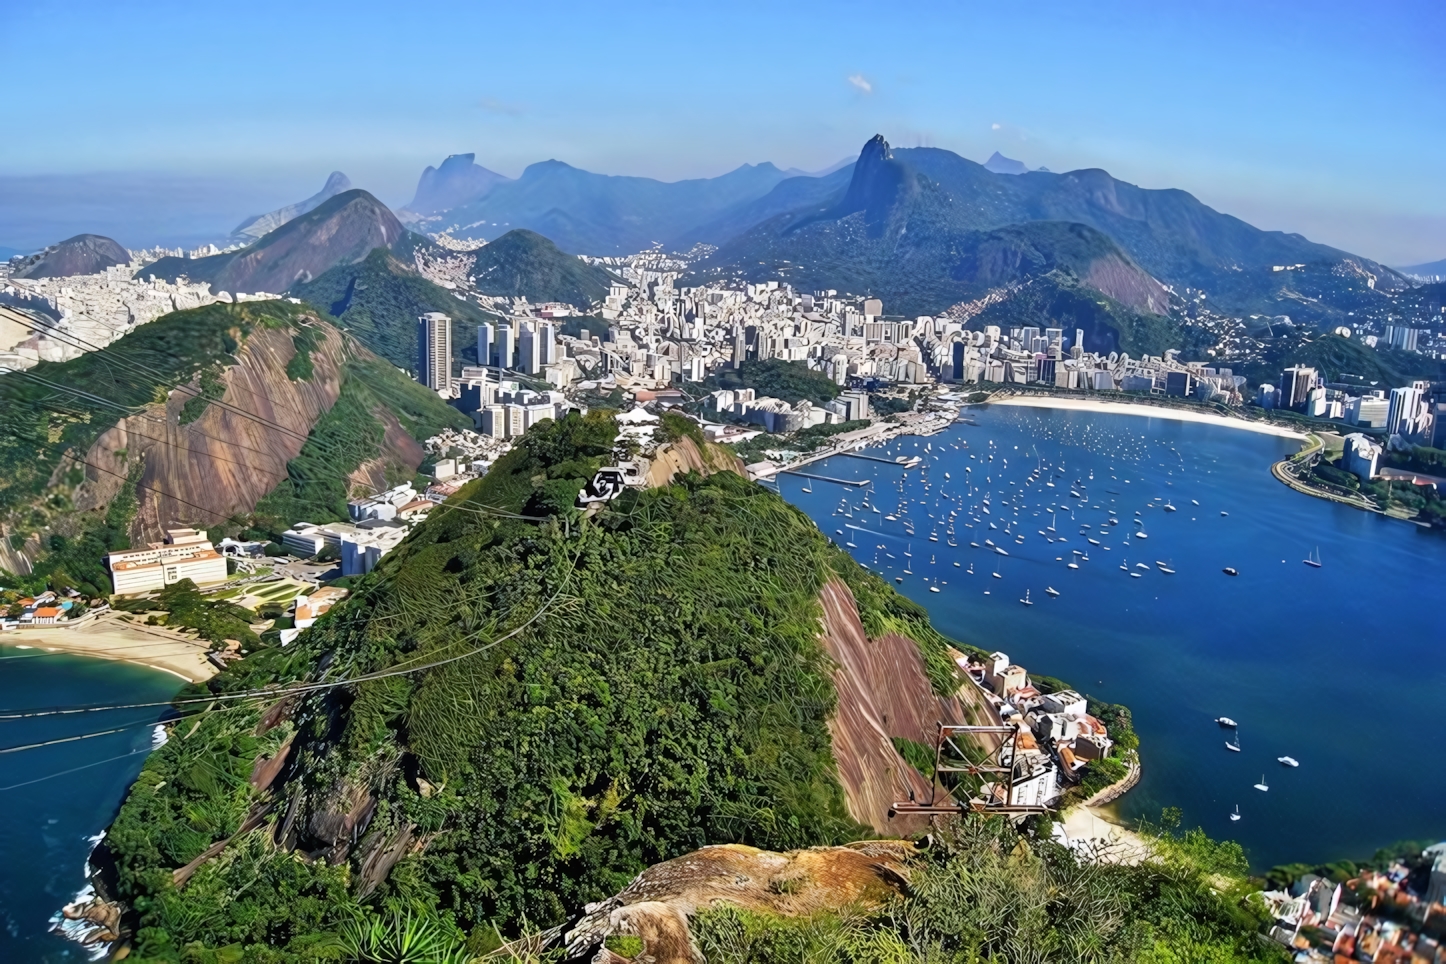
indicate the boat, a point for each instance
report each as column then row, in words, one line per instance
column 1000, row 551
column 1194, row 501
column 898, row 579
column 996, row 575
column 1093, row 542
column 1167, row 570
column 1134, row 575
column 1225, row 721
column 1236, row 814
column 989, row 543
column 1229, row 571
column 1168, row 507
column 1261, row 785
column 1224, row 513
column 1027, row 602
column 933, row 588
column 1050, row 590
column 1289, row 761
column 1234, row 747
column 1314, row 559
column 1141, row 565
column 1141, row 535
column 806, row 488
column 974, row 544
column 1074, row 565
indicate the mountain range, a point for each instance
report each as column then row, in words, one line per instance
column 770, row 224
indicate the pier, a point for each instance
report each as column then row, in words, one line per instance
column 825, row 478
column 906, row 464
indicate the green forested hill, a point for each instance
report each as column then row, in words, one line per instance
column 520, row 710
column 379, row 300
column 214, row 402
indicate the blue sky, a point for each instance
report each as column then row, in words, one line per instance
column 1328, row 118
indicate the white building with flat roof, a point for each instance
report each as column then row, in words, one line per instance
column 186, row 554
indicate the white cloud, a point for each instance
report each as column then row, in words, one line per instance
column 862, row 83
column 994, row 127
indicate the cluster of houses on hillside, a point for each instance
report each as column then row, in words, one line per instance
column 1057, row 735
column 1395, row 915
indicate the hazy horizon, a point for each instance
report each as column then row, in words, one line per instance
column 1323, row 120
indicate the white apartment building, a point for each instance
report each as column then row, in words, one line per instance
column 186, row 554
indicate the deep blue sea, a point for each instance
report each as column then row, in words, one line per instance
column 1342, row 667
column 54, row 800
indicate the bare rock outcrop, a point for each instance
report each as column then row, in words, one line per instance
column 658, row 904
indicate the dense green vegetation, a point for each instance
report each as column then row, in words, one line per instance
column 524, row 264
column 379, row 300
column 1348, row 360
column 670, row 692
column 57, row 407
column 350, row 433
column 988, row 892
column 60, row 409
column 776, row 378
column 185, row 608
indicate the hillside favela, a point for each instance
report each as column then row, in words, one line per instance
column 748, row 484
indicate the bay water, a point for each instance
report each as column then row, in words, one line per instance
column 1342, row 667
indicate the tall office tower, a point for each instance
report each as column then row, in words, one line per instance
column 1055, row 336
column 484, row 344
column 547, row 344
column 528, row 354
column 1401, row 419
column 1295, row 385
column 1079, row 339
column 434, row 351
column 504, row 345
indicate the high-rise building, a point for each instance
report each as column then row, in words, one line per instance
column 1079, row 339
column 484, row 344
column 505, row 345
column 1369, row 411
column 546, row 344
column 1401, row 418
column 1055, row 336
column 529, row 352
column 434, row 351
column 1295, row 385
column 1402, row 337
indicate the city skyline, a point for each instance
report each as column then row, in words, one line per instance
column 1275, row 117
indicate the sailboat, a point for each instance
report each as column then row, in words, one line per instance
column 1027, row 602
column 1313, row 560
column 1236, row 814
column 1261, row 785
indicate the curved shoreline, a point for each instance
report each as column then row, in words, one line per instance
column 1145, row 409
column 104, row 639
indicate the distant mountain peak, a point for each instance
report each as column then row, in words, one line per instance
column 999, row 164
column 879, row 186
column 342, row 230
column 458, row 180
column 253, row 229
column 82, row 254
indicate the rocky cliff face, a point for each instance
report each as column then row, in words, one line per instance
column 220, row 465
column 882, row 693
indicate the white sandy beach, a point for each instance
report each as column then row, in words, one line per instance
column 108, row 639
column 1146, row 410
